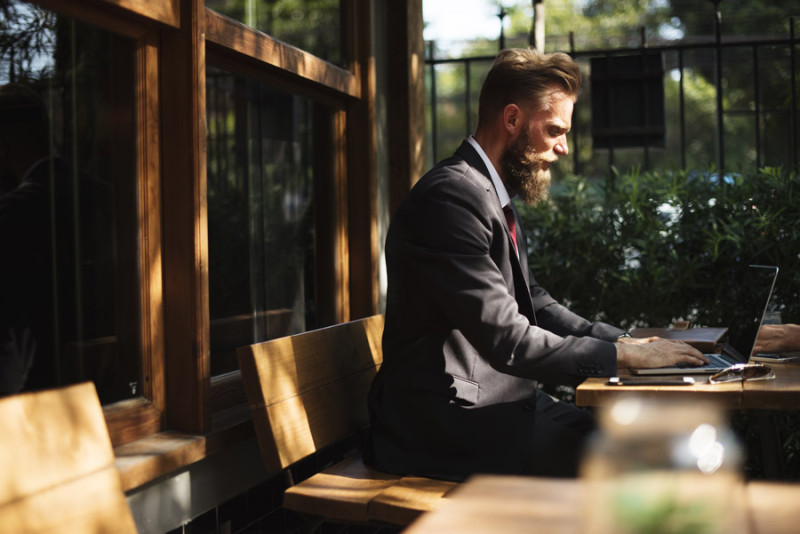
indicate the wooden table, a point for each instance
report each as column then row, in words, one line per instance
column 761, row 397
column 780, row 393
column 513, row 504
column 596, row 392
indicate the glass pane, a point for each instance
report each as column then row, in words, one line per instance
column 311, row 25
column 68, row 237
column 261, row 214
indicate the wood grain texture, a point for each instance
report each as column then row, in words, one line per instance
column 57, row 472
column 595, row 392
column 309, row 390
column 246, row 41
column 780, row 393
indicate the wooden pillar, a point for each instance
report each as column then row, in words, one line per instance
column 406, row 98
column 361, row 174
column 185, row 223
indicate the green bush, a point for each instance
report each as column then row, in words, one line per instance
column 645, row 249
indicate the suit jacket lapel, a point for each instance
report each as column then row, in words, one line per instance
column 519, row 264
column 468, row 153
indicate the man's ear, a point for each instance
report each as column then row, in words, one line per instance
column 511, row 118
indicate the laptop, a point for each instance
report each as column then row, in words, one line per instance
column 758, row 282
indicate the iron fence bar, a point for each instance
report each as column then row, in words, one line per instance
column 793, row 116
column 645, row 96
column 610, row 111
column 718, row 83
column 699, row 45
column 757, row 98
column 717, row 44
column 682, row 112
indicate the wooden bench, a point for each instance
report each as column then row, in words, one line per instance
column 57, row 471
column 308, row 392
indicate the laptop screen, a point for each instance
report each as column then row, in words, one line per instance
column 755, row 286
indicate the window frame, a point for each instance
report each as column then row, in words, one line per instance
column 132, row 419
column 172, row 40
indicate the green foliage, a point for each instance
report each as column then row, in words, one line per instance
column 645, row 249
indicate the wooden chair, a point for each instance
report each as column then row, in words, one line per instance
column 57, row 472
column 308, row 392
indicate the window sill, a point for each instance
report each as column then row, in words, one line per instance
column 150, row 458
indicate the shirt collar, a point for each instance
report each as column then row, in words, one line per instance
column 502, row 193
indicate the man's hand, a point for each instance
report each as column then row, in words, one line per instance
column 657, row 353
column 637, row 340
column 778, row 338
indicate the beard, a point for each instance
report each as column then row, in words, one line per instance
column 525, row 172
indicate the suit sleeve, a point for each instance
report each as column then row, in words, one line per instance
column 560, row 320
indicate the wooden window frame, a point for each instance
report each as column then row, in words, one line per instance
column 172, row 39
column 132, row 419
column 245, row 51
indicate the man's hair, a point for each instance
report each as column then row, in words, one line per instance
column 523, row 75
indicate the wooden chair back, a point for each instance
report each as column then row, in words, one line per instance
column 57, row 471
column 309, row 390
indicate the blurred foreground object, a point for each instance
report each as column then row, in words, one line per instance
column 663, row 468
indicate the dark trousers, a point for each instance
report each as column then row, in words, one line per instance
column 561, row 434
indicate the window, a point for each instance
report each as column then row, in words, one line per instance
column 69, row 237
column 201, row 207
column 263, row 167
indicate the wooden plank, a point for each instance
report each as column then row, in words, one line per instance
column 246, row 41
column 513, row 504
column 487, row 504
column 92, row 504
column 163, row 11
column 773, row 508
column 342, row 492
column 130, row 420
column 362, row 164
column 57, row 467
column 149, row 219
column 166, row 452
column 595, row 392
column 405, row 501
column 780, row 393
column 48, row 437
column 406, row 97
column 304, row 424
column 308, row 391
column 185, row 247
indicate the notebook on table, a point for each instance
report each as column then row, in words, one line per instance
column 759, row 281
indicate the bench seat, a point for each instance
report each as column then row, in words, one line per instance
column 351, row 491
column 308, row 392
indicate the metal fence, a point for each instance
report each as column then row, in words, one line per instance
column 730, row 104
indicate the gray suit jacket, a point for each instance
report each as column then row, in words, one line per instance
column 468, row 334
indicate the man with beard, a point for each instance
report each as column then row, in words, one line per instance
column 469, row 333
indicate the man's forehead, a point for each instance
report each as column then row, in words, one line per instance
column 559, row 112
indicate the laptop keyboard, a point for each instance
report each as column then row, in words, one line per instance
column 714, row 360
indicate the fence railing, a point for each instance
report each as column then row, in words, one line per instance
column 730, row 104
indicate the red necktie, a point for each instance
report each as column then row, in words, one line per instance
column 512, row 225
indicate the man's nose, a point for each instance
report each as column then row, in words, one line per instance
column 561, row 148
